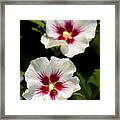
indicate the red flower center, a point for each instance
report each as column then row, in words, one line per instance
column 51, row 85
column 43, row 90
column 43, row 78
column 59, row 86
column 53, row 94
column 66, row 32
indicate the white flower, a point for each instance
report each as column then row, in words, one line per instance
column 50, row 80
column 72, row 35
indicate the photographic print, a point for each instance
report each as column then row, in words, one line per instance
column 56, row 57
column 60, row 59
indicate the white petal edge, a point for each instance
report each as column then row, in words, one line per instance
column 51, row 42
column 32, row 85
column 38, row 97
column 28, row 95
column 75, row 80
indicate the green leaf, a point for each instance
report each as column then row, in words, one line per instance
column 38, row 22
column 35, row 29
column 95, row 78
column 56, row 50
column 77, row 96
column 95, row 43
column 82, row 80
column 85, row 88
column 22, row 73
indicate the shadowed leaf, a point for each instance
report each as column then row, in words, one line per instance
column 95, row 78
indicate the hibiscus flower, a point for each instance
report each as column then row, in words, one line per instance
column 72, row 35
column 50, row 80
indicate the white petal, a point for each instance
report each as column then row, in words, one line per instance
column 88, row 27
column 81, row 43
column 75, row 80
column 50, row 42
column 31, row 74
column 46, row 97
column 48, row 70
column 36, row 67
column 28, row 95
column 21, row 78
column 41, row 97
column 64, row 65
column 68, row 91
column 32, row 85
column 72, row 86
column 45, row 41
column 50, row 27
column 76, row 48
column 77, row 87
column 70, row 51
column 40, row 64
column 62, row 98
column 64, row 49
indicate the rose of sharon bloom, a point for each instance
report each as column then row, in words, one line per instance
column 72, row 35
column 50, row 80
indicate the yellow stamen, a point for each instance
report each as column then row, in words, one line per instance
column 66, row 34
column 51, row 87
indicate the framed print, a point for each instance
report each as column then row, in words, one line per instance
column 60, row 60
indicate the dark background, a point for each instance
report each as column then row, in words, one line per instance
column 31, row 48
